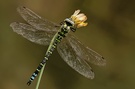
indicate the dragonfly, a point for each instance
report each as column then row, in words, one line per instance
column 61, row 36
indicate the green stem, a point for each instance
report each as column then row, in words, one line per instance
column 40, row 76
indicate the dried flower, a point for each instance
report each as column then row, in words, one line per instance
column 79, row 19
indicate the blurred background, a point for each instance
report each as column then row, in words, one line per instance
column 111, row 32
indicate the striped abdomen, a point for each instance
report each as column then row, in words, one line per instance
column 56, row 39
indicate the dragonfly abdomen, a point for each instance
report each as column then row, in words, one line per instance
column 42, row 63
column 56, row 39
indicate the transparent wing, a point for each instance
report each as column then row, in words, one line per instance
column 36, row 21
column 76, row 55
column 40, row 30
column 32, row 34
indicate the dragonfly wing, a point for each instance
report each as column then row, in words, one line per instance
column 32, row 34
column 78, row 56
column 73, row 56
column 85, row 52
column 35, row 20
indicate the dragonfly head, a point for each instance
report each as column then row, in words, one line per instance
column 79, row 19
column 70, row 23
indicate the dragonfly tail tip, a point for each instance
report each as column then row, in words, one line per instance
column 28, row 83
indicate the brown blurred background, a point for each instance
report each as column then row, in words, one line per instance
column 111, row 32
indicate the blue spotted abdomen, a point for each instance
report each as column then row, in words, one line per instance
column 56, row 39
